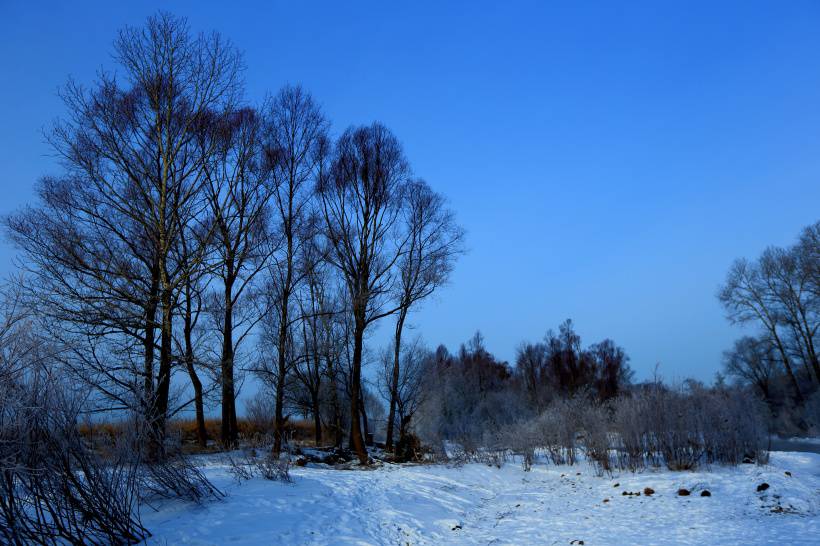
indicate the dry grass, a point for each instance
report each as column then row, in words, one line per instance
column 300, row 431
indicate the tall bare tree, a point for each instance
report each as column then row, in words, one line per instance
column 243, row 243
column 434, row 241
column 316, row 344
column 181, row 80
column 191, row 302
column 295, row 143
column 746, row 297
column 788, row 280
column 361, row 199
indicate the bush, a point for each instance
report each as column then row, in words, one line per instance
column 681, row 428
column 408, row 448
column 685, row 428
column 65, row 484
column 54, row 489
column 263, row 463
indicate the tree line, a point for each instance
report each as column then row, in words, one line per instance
column 191, row 236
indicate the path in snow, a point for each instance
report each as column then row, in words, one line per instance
column 476, row 504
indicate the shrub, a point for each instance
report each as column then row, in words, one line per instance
column 681, row 428
column 54, row 489
column 408, row 448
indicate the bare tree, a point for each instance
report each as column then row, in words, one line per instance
column 317, row 308
column 533, row 371
column 191, row 302
column 361, row 199
column 788, row 277
column 406, row 391
column 296, row 142
column 747, row 299
column 559, row 366
column 571, row 368
column 238, row 200
column 182, row 81
column 612, row 371
column 753, row 361
column 434, row 241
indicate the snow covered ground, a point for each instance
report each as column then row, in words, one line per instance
column 477, row 504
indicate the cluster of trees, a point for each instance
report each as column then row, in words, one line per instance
column 559, row 365
column 191, row 236
column 779, row 295
column 473, row 399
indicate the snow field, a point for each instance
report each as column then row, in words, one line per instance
column 477, row 504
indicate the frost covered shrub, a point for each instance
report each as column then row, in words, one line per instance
column 274, row 468
column 53, row 488
column 684, row 428
column 733, row 427
column 654, row 426
column 634, row 445
column 554, row 432
column 595, row 436
column 674, row 428
column 469, row 403
column 265, row 465
column 477, row 407
column 523, row 439
column 558, row 426
column 175, row 477
column 58, row 485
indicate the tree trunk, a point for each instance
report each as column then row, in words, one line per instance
column 201, row 432
column 787, row 364
column 160, row 413
column 148, row 344
column 394, row 381
column 764, row 389
column 338, row 435
column 317, row 420
column 228, row 429
column 199, row 406
column 809, row 342
column 403, row 426
column 149, row 396
column 279, row 428
column 365, row 426
column 356, row 440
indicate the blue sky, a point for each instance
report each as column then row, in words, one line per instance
column 608, row 160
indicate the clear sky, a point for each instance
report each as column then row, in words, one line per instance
column 608, row 160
